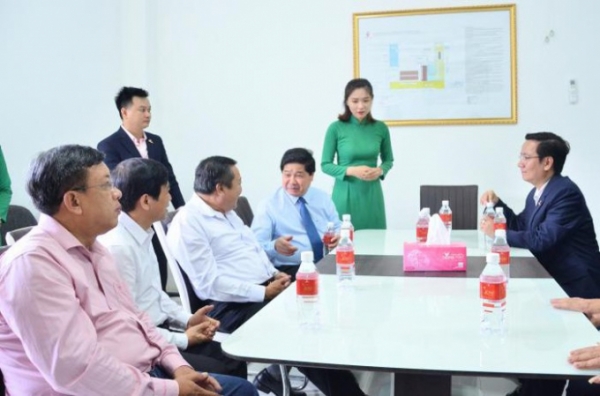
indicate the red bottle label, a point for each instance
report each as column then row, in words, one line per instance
column 422, row 234
column 307, row 287
column 446, row 218
column 499, row 226
column 492, row 291
column 504, row 257
column 344, row 258
column 327, row 238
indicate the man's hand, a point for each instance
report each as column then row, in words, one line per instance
column 192, row 383
column 283, row 245
column 488, row 196
column 201, row 316
column 334, row 241
column 200, row 333
column 586, row 358
column 277, row 286
column 486, row 225
column 590, row 307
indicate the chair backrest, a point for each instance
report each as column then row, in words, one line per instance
column 173, row 266
column 244, row 210
column 189, row 299
column 18, row 217
column 463, row 202
column 14, row 235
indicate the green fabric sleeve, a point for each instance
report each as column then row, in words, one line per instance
column 329, row 152
column 387, row 156
column 5, row 190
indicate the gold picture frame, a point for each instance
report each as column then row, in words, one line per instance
column 439, row 66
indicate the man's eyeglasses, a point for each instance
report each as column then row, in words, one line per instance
column 525, row 157
column 104, row 186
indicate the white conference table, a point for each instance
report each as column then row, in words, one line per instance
column 422, row 329
column 391, row 242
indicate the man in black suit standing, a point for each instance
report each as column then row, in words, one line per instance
column 131, row 140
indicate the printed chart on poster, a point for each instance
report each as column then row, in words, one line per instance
column 439, row 66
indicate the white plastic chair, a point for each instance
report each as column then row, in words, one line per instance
column 173, row 266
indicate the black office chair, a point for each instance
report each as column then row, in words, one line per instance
column 463, row 202
column 13, row 236
column 18, row 217
column 244, row 210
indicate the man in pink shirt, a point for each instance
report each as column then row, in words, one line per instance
column 68, row 324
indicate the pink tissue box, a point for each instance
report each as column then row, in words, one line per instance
column 422, row 257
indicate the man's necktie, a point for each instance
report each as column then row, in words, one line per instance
column 311, row 230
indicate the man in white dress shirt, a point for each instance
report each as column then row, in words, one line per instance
column 145, row 199
column 226, row 265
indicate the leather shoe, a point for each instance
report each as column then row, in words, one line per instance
column 266, row 383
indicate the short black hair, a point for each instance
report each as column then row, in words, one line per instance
column 551, row 145
column 136, row 177
column 352, row 86
column 299, row 156
column 58, row 170
column 125, row 97
column 212, row 171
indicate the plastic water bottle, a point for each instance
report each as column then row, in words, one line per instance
column 423, row 225
column 446, row 215
column 307, row 290
column 347, row 225
column 501, row 247
column 327, row 238
column 344, row 259
column 491, row 214
column 499, row 219
column 492, row 291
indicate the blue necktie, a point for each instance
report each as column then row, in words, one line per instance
column 311, row 230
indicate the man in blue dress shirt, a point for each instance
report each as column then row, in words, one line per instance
column 279, row 224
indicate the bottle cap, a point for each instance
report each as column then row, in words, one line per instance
column 426, row 211
column 329, row 224
column 346, row 217
column 490, row 204
column 500, row 209
column 445, row 202
column 492, row 258
column 307, row 256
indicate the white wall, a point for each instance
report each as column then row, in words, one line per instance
column 252, row 79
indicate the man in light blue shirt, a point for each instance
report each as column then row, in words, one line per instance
column 278, row 223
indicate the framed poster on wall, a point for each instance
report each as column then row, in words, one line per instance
column 439, row 66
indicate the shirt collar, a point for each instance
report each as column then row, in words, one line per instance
column 133, row 138
column 205, row 208
column 141, row 236
column 64, row 237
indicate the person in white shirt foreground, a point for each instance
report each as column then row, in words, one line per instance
column 145, row 198
column 227, row 265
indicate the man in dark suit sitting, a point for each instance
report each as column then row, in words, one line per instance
column 131, row 141
column 556, row 226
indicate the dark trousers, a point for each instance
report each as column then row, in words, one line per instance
column 535, row 387
column 162, row 261
column 209, row 357
column 331, row 382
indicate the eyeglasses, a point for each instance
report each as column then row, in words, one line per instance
column 104, row 186
column 525, row 157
